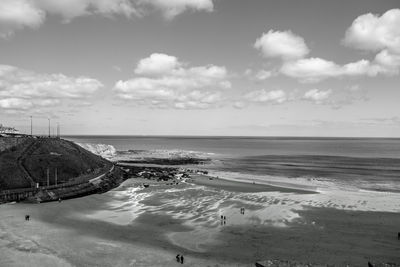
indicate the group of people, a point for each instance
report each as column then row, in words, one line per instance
column 241, row 210
column 223, row 220
column 179, row 258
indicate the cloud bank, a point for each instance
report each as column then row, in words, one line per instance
column 23, row 89
column 18, row 14
column 163, row 81
column 317, row 96
column 263, row 96
column 172, row 8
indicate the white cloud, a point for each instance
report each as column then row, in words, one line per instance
column 368, row 32
column 260, row 75
column 336, row 99
column 317, row 69
column 375, row 33
column 389, row 62
column 380, row 34
column 163, row 81
column 172, row 8
column 310, row 69
column 23, row 89
column 263, row 96
column 284, row 45
column 157, row 64
column 317, row 96
column 197, row 100
column 17, row 14
column 15, row 103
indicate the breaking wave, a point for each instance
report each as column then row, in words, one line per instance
column 162, row 154
column 106, row 151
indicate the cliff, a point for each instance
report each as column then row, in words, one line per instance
column 26, row 161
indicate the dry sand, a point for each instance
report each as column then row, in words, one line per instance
column 131, row 226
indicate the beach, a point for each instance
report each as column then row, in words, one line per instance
column 136, row 226
column 202, row 133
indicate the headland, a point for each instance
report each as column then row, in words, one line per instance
column 40, row 169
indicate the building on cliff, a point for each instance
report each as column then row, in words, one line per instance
column 8, row 130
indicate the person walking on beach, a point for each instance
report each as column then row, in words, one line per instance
column 181, row 259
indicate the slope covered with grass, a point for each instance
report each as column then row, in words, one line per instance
column 28, row 162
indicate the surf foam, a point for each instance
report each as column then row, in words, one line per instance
column 103, row 150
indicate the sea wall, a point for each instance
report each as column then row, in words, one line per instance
column 78, row 188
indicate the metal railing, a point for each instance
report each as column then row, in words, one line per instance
column 77, row 181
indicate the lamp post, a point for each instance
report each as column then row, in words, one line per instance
column 31, row 126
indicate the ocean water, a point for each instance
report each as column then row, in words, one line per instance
column 345, row 163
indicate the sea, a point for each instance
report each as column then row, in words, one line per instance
column 350, row 164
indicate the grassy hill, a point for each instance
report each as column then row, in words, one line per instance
column 27, row 163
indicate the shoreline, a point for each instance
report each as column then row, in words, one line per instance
column 200, row 177
column 241, row 186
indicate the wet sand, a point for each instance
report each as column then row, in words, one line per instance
column 236, row 186
column 131, row 226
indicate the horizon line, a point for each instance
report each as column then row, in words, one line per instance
column 229, row 136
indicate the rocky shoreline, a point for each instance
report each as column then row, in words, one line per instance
column 167, row 161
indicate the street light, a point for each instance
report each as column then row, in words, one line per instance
column 31, row 126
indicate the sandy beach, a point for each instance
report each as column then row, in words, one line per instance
column 136, row 226
column 201, row 133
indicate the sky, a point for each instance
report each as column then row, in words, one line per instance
column 201, row 67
